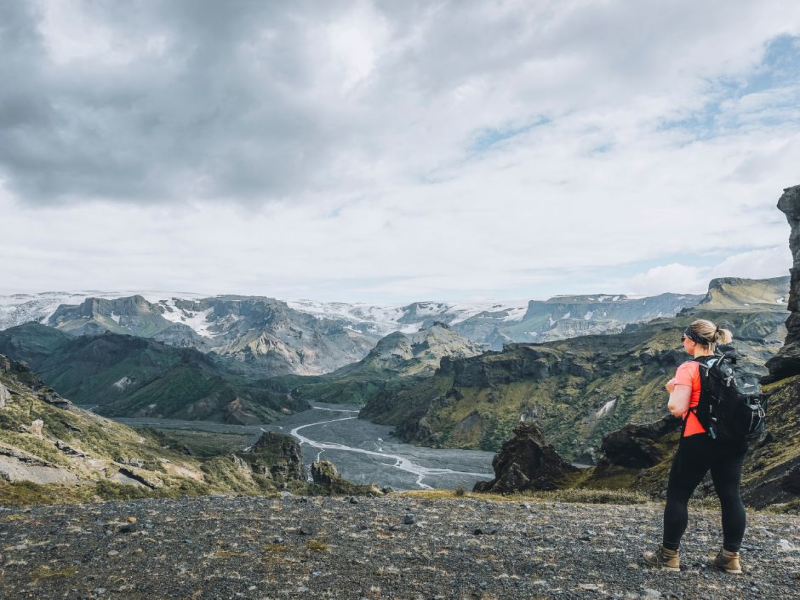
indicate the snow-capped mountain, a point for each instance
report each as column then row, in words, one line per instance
column 16, row 309
column 409, row 318
column 235, row 324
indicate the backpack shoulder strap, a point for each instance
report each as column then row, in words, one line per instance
column 711, row 360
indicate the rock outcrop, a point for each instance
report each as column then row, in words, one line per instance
column 526, row 462
column 277, row 456
column 638, row 446
column 324, row 472
column 5, row 395
column 35, row 428
column 787, row 362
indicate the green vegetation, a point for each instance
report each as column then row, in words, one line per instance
column 573, row 496
column 578, row 390
column 201, row 444
column 317, row 546
column 92, row 458
column 122, row 375
column 45, row 572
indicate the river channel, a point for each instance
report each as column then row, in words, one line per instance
column 362, row 451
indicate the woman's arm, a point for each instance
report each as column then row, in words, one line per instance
column 679, row 399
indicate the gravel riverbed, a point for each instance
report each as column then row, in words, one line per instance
column 389, row 547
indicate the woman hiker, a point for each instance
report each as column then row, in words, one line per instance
column 697, row 453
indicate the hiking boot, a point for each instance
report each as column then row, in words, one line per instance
column 663, row 558
column 726, row 561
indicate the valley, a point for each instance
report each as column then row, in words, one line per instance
column 363, row 452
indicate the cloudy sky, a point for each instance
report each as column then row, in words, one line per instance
column 396, row 151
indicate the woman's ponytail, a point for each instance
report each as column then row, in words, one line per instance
column 713, row 335
column 723, row 336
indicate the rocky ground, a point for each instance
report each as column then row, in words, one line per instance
column 390, row 547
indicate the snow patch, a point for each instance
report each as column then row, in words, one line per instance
column 115, row 317
column 516, row 313
column 122, row 384
column 197, row 320
column 780, row 300
column 412, row 328
column 606, row 408
column 588, row 315
column 386, row 319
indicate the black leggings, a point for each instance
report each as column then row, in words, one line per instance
column 695, row 456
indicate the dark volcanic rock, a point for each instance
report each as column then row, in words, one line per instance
column 277, row 456
column 491, row 369
column 787, row 362
column 526, row 462
column 324, row 472
column 638, row 446
column 791, row 481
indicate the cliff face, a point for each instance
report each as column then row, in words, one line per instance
column 787, row 362
column 738, row 293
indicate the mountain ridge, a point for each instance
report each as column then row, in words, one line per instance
column 578, row 389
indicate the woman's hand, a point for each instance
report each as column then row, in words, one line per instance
column 670, row 387
column 679, row 400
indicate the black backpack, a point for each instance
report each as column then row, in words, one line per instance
column 732, row 407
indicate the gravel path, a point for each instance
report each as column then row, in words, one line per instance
column 392, row 547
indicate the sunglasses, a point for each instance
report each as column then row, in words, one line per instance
column 683, row 338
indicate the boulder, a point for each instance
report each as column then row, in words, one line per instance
column 639, row 446
column 787, row 362
column 35, row 428
column 5, row 395
column 526, row 462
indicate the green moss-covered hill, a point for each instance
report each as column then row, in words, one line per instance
column 122, row 375
column 577, row 390
column 398, row 361
column 53, row 451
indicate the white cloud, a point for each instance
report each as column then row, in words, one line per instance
column 330, row 151
column 675, row 277
column 756, row 264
